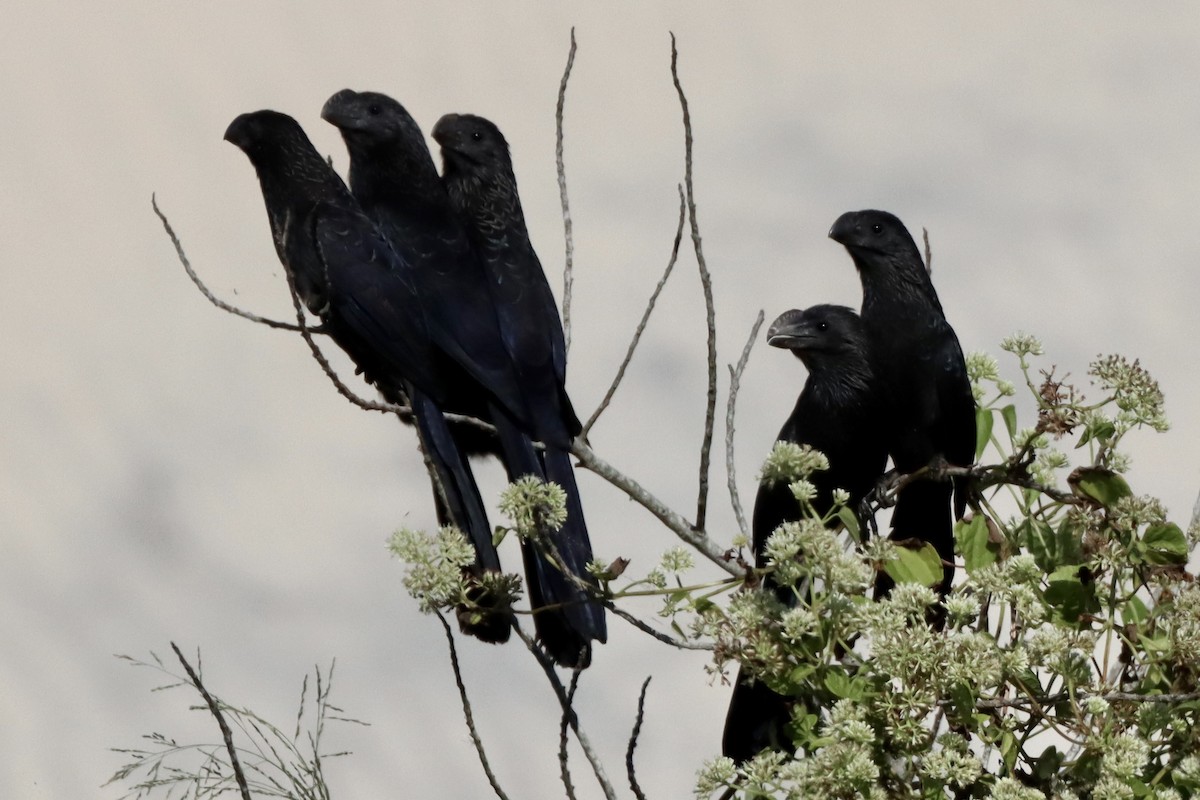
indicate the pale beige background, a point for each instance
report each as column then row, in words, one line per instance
column 171, row 472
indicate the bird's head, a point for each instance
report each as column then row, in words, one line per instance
column 368, row 117
column 823, row 331
column 257, row 131
column 469, row 141
column 870, row 231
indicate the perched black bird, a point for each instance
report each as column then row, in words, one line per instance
column 839, row 413
column 930, row 408
column 393, row 177
column 346, row 272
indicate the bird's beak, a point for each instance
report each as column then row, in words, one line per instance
column 844, row 229
column 789, row 331
column 339, row 110
column 443, row 131
column 234, row 133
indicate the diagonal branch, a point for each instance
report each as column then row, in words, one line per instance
column 735, row 381
column 633, row 737
column 568, row 233
column 467, row 714
column 637, row 334
column 584, row 742
column 204, row 290
column 226, row 733
column 564, row 767
column 672, row 519
column 709, row 306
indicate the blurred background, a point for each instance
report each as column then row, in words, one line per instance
column 170, row 472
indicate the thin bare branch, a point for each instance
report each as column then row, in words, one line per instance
column 633, row 737
column 585, row 743
column 568, row 232
column 1112, row 697
column 735, row 381
column 212, row 298
column 681, row 644
column 345, row 391
column 637, row 334
column 709, row 305
column 928, row 251
column 215, row 708
column 672, row 519
column 467, row 714
column 981, row 477
column 563, row 763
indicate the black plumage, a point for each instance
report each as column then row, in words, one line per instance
column 839, row 413
column 393, row 177
column 347, row 273
column 930, row 410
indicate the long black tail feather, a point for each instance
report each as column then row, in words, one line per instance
column 463, row 507
column 565, row 619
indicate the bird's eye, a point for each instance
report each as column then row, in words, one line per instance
column 374, row 109
column 476, row 136
column 876, row 228
column 822, row 326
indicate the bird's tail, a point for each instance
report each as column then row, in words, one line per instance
column 566, row 620
column 923, row 512
column 755, row 721
column 491, row 620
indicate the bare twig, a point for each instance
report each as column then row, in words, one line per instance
column 1113, row 697
column 467, row 714
column 637, row 334
column 568, row 234
column 585, row 743
column 215, row 708
column 212, row 298
column 633, row 737
column 709, row 306
column 681, row 644
column 981, row 477
column 564, row 767
column 672, row 519
column 928, row 251
column 735, row 380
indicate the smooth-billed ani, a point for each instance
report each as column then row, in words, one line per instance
column 393, row 177
column 348, row 274
column 930, row 409
column 838, row 413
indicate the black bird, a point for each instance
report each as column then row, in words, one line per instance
column 839, row 413
column 393, row 177
column 930, row 408
column 347, row 273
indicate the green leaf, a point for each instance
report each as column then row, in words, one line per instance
column 1050, row 548
column 1101, row 432
column 1070, row 542
column 1048, row 764
column 1159, row 643
column 1134, row 611
column 1068, row 595
column 1104, row 486
column 983, row 430
column 846, row 516
column 841, row 685
column 799, row 674
column 973, row 541
column 1165, row 544
column 1009, row 412
column 1040, row 540
column 1009, row 749
column 920, row 565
